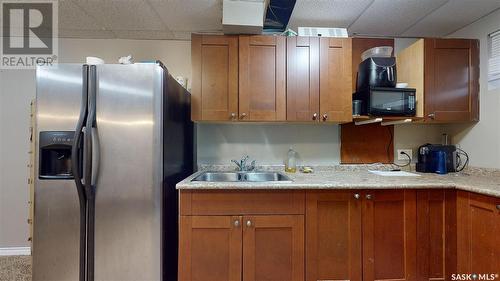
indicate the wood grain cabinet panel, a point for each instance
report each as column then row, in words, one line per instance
column 210, row 248
column 452, row 80
column 389, row 235
column 478, row 229
column 215, row 78
column 302, row 100
column 273, row 248
column 333, row 236
column 436, row 234
column 262, row 78
column 335, row 79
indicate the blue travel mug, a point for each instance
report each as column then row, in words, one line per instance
column 441, row 163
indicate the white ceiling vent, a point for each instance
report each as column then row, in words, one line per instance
column 243, row 16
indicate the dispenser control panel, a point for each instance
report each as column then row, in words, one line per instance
column 55, row 155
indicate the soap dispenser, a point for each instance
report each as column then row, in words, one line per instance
column 291, row 162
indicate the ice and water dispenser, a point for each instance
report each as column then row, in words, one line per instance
column 55, row 154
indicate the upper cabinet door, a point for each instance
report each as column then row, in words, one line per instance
column 273, row 248
column 335, row 79
column 215, row 78
column 302, row 100
column 262, row 81
column 389, row 235
column 451, row 80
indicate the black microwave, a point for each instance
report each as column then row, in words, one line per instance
column 384, row 101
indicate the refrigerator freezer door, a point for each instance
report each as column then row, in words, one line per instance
column 128, row 181
column 56, row 220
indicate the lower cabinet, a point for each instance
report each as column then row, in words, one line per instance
column 242, row 235
column 210, row 248
column 389, row 235
column 369, row 235
column 405, row 235
column 273, row 248
column 478, row 228
column 436, row 234
column 333, row 235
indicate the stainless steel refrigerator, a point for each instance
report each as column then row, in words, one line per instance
column 113, row 140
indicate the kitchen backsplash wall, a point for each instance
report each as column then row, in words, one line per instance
column 269, row 143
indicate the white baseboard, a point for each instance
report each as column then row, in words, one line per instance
column 15, row 251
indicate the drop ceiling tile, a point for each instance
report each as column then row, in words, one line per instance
column 72, row 17
column 392, row 17
column 452, row 16
column 326, row 13
column 190, row 15
column 84, row 34
column 123, row 14
column 144, row 34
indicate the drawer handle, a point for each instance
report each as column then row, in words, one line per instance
column 498, row 207
column 369, row 197
column 357, row 196
column 249, row 223
column 236, row 223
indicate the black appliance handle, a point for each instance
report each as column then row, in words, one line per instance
column 91, row 162
column 76, row 168
column 390, row 73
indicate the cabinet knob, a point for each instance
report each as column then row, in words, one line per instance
column 236, row 223
column 325, row 117
column 432, row 115
column 233, row 115
column 249, row 223
column 243, row 115
column 369, row 197
column 498, row 207
column 357, row 196
column 315, row 116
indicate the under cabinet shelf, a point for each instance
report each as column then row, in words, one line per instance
column 384, row 120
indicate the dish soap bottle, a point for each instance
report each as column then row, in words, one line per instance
column 291, row 162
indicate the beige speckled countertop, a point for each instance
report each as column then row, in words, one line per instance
column 483, row 181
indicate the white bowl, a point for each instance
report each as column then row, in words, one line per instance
column 401, row 85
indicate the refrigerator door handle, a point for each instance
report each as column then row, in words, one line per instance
column 76, row 167
column 95, row 157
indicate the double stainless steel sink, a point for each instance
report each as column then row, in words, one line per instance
column 242, row 177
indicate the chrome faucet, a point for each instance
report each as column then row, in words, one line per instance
column 242, row 164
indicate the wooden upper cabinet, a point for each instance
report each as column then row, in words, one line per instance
column 273, row 248
column 445, row 73
column 389, row 235
column 302, row 100
column 333, row 231
column 452, row 80
column 215, row 77
column 335, row 79
column 210, row 248
column 262, row 78
column 478, row 227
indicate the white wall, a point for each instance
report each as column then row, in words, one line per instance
column 17, row 89
column 482, row 141
column 268, row 143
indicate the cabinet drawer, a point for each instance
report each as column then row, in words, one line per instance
column 237, row 202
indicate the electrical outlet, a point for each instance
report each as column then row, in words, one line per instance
column 404, row 157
